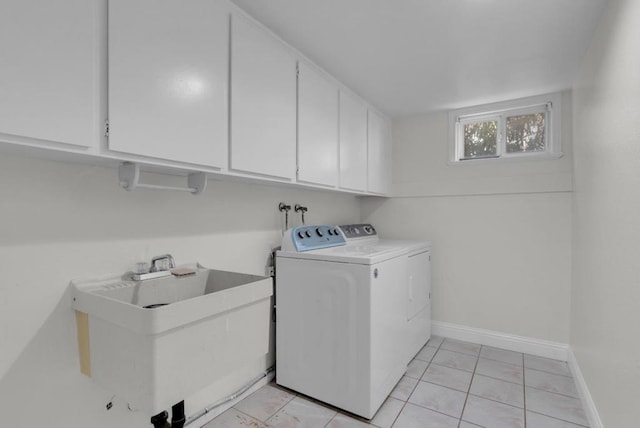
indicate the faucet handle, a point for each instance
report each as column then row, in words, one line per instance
column 161, row 263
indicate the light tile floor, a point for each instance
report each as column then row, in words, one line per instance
column 448, row 384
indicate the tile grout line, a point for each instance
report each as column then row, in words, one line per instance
column 416, row 385
column 274, row 413
column 329, row 421
column 454, row 368
column 493, row 359
column 496, row 401
column 551, row 373
column 240, row 411
column 569, row 375
column 473, row 374
column 554, row 392
column 487, row 376
column 524, row 392
column 558, row 419
column 398, row 415
column 281, row 407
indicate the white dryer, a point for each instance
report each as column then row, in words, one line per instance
column 417, row 277
column 340, row 318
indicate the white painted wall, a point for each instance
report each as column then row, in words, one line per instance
column 501, row 232
column 421, row 168
column 506, row 268
column 606, row 289
column 64, row 221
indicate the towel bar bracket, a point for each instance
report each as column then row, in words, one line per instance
column 129, row 176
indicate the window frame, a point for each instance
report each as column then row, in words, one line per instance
column 550, row 104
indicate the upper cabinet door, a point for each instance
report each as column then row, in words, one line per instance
column 263, row 102
column 168, row 79
column 317, row 128
column 51, row 71
column 353, row 143
column 379, row 154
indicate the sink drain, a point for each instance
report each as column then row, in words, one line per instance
column 155, row 305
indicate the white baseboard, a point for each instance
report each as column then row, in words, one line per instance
column 585, row 396
column 511, row 342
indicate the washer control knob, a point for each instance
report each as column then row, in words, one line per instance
column 368, row 230
column 319, row 231
column 300, row 235
column 308, row 234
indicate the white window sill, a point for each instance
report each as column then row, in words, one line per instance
column 507, row 159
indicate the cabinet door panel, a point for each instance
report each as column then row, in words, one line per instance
column 50, row 70
column 317, row 128
column 168, row 79
column 263, row 102
column 353, row 143
column 378, row 153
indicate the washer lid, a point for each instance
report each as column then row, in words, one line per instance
column 408, row 244
column 355, row 254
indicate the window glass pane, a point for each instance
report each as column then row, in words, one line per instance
column 480, row 139
column 525, row 133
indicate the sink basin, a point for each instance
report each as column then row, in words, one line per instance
column 158, row 341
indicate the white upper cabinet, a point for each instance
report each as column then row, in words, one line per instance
column 263, row 102
column 379, row 153
column 317, row 127
column 51, row 72
column 353, row 143
column 168, row 79
column 194, row 84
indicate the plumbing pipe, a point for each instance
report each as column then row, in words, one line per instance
column 177, row 415
column 161, row 420
column 300, row 209
column 283, row 207
column 231, row 397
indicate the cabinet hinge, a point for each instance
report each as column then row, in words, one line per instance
column 106, row 128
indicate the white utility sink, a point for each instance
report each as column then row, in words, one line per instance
column 158, row 341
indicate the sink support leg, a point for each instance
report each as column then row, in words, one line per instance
column 161, row 420
column 177, row 415
column 178, row 418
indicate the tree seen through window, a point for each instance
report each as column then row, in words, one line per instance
column 525, row 133
column 480, row 139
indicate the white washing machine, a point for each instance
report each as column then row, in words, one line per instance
column 340, row 318
column 417, row 286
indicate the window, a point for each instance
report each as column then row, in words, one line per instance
column 508, row 130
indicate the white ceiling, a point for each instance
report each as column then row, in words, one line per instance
column 416, row 56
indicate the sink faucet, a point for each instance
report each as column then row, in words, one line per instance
column 163, row 262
